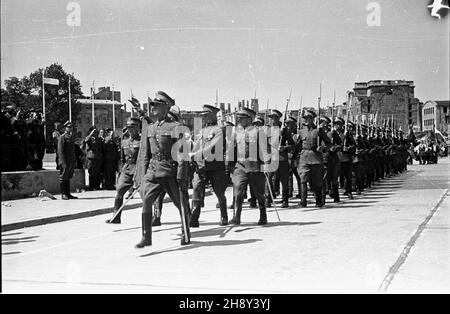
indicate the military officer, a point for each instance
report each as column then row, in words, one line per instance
column 94, row 155
column 258, row 123
column 346, row 153
column 282, row 172
column 111, row 154
column 165, row 171
column 358, row 161
column 244, row 160
column 128, row 155
column 174, row 115
column 208, row 154
column 310, row 167
column 331, row 162
column 67, row 160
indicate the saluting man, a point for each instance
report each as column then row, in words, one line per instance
column 208, row 154
column 67, row 160
column 128, row 155
column 164, row 172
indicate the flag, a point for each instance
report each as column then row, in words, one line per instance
column 51, row 81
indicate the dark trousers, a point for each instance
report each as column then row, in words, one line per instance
column 346, row 173
column 240, row 181
column 66, row 172
column 109, row 174
column 294, row 173
column 283, row 175
column 219, row 183
column 94, row 169
column 331, row 175
column 124, row 183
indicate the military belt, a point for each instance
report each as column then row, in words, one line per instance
column 130, row 161
column 161, row 157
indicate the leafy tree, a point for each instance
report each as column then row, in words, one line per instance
column 26, row 93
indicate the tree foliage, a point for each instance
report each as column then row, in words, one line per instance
column 26, row 93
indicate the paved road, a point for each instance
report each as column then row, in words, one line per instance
column 395, row 238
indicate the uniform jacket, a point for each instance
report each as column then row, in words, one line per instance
column 332, row 154
column 66, row 150
column 161, row 137
column 94, row 147
column 205, row 145
column 348, row 147
column 129, row 152
column 110, row 149
column 307, row 140
column 244, row 151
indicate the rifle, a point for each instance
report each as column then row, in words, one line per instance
column 346, row 129
column 332, row 117
column 318, row 116
column 299, row 116
column 285, row 110
column 267, row 111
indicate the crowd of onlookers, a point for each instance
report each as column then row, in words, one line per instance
column 428, row 152
column 23, row 146
column 22, row 139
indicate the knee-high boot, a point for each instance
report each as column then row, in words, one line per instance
column 146, row 230
column 304, row 194
column 117, row 205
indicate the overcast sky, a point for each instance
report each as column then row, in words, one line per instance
column 190, row 48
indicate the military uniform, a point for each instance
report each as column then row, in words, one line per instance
column 128, row 155
column 67, row 161
column 111, row 158
column 346, row 158
column 280, row 175
column 359, row 163
column 163, row 172
column 209, row 168
column 332, row 166
column 310, row 166
column 244, row 160
column 94, row 158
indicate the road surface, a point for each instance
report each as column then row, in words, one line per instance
column 393, row 238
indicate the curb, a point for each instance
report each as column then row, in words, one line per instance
column 61, row 218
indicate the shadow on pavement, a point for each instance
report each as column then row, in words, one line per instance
column 12, row 241
column 11, row 234
column 11, row 253
column 195, row 244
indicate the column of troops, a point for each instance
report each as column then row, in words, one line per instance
column 322, row 155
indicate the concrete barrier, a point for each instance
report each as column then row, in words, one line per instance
column 20, row 184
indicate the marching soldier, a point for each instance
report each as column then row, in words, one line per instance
column 282, row 173
column 358, row 161
column 258, row 123
column 67, row 160
column 208, row 154
column 174, row 115
column 244, row 161
column 311, row 160
column 346, row 153
column 128, row 155
column 331, row 162
column 164, row 171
